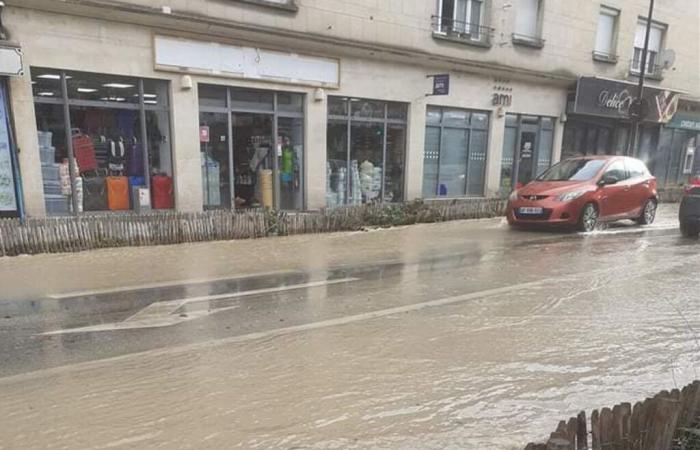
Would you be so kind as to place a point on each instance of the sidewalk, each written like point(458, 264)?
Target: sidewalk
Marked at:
point(29, 277)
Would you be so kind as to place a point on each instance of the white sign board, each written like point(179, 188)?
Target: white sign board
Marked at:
point(10, 61)
point(213, 58)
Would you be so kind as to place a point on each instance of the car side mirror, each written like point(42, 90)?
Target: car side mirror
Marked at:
point(608, 180)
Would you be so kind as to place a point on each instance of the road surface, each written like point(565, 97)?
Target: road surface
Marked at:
point(462, 335)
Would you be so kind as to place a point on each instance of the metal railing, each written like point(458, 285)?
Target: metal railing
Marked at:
point(460, 30)
point(653, 71)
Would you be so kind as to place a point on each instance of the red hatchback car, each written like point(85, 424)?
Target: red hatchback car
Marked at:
point(581, 192)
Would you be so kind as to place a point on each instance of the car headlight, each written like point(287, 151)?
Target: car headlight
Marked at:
point(513, 196)
point(569, 196)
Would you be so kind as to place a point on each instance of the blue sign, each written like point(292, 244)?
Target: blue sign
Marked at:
point(441, 84)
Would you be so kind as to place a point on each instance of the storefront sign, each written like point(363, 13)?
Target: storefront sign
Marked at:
point(204, 134)
point(10, 61)
point(441, 84)
point(610, 98)
point(686, 121)
point(8, 200)
point(213, 58)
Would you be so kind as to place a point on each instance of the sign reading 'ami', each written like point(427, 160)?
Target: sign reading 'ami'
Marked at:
point(212, 58)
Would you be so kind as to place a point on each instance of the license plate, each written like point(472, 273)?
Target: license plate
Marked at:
point(530, 210)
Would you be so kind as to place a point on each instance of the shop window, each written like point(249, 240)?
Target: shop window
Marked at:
point(244, 163)
point(113, 158)
point(454, 162)
point(366, 151)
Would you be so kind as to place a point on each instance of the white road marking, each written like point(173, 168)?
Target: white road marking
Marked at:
point(164, 284)
point(163, 314)
point(283, 331)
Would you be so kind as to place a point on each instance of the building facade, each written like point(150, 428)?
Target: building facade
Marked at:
point(303, 104)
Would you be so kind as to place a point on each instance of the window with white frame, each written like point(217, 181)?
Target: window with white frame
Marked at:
point(462, 17)
point(527, 18)
point(656, 37)
point(605, 36)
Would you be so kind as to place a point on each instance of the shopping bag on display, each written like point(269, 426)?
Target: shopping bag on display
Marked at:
point(117, 193)
point(94, 194)
point(162, 192)
point(84, 151)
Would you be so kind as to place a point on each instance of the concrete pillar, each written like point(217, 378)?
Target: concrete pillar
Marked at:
point(22, 105)
point(497, 129)
point(558, 140)
point(414, 149)
point(187, 169)
point(315, 153)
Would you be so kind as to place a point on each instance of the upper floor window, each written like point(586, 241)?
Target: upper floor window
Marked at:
point(605, 36)
point(462, 19)
point(656, 38)
point(527, 23)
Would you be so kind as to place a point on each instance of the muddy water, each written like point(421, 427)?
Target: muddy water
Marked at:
point(486, 352)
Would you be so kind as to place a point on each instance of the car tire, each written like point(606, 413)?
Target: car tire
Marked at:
point(648, 213)
point(588, 219)
point(690, 230)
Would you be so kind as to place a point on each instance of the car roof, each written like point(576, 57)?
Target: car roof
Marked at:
point(600, 157)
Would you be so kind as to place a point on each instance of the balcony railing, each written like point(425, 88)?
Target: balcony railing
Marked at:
point(653, 71)
point(456, 30)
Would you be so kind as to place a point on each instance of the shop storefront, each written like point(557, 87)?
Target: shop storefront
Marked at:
point(366, 151)
point(599, 122)
point(456, 144)
point(679, 141)
point(252, 148)
point(117, 129)
point(10, 190)
point(527, 149)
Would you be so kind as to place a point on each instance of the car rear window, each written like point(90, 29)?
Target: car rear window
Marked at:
point(573, 170)
point(636, 168)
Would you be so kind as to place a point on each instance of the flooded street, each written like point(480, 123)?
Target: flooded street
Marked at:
point(463, 335)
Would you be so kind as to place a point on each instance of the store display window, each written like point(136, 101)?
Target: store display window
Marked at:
point(118, 131)
point(454, 159)
point(366, 151)
point(252, 148)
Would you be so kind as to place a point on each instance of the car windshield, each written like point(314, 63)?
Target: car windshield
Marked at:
point(573, 170)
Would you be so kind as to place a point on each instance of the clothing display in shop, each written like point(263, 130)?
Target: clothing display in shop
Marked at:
point(134, 159)
point(355, 184)
point(211, 172)
point(287, 165)
point(117, 154)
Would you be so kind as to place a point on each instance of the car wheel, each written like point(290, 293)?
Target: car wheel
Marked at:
point(589, 218)
point(648, 213)
point(690, 230)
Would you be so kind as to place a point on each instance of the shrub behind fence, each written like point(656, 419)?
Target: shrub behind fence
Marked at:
point(70, 234)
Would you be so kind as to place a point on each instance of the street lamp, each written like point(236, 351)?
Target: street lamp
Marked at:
point(640, 108)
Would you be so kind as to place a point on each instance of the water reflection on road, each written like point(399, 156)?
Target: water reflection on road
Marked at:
point(446, 342)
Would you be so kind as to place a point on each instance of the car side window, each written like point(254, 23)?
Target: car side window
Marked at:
point(617, 170)
point(636, 168)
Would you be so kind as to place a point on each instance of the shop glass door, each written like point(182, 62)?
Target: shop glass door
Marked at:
point(253, 165)
point(214, 146)
point(526, 156)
